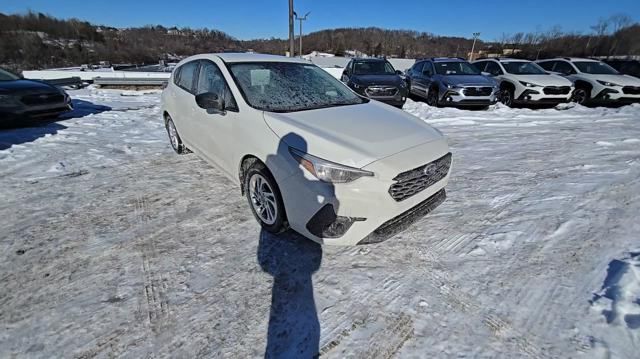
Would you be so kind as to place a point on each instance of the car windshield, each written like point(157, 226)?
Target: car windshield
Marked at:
point(595, 68)
point(373, 68)
point(455, 68)
point(7, 76)
point(523, 68)
point(289, 86)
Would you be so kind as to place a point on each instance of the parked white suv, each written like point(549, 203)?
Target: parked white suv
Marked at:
point(307, 151)
point(595, 81)
point(524, 82)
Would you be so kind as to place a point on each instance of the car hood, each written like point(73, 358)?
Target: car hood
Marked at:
point(622, 80)
point(353, 135)
point(466, 80)
point(545, 80)
point(370, 80)
point(19, 87)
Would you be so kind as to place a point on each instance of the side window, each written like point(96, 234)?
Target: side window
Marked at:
point(210, 79)
point(479, 65)
point(417, 68)
point(547, 65)
point(564, 68)
point(493, 68)
point(176, 76)
point(187, 74)
point(428, 69)
point(350, 68)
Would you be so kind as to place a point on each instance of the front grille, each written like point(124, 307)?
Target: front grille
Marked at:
point(631, 90)
point(557, 90)
point(42, 99)
point(478, 91)
point(381, 91)
point(399, 223)
point(418, 179)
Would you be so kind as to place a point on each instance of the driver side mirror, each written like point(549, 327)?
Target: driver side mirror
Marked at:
point(484, 73)
point(210, 101)
point(398, 72)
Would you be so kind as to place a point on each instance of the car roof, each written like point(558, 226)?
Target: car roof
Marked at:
point(251, 57)
point(447, 59)
point(570, 59)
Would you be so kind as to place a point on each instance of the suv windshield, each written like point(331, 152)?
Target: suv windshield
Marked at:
point(373, 68)
point(290, 86)
point(595, 68)
point(7, 76)
point(523, 68)
point(455, 68)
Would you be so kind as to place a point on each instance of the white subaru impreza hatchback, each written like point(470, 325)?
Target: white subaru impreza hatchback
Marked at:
point(307, 151)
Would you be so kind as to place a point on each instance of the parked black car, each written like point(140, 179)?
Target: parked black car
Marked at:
point(30, 99)
point(377, 79)
point(627, 67)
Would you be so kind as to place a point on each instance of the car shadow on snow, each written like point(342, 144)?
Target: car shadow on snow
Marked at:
point(21, 131)
point(294, 327)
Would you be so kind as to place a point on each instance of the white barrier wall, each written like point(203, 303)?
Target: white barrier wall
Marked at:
point(90, 75)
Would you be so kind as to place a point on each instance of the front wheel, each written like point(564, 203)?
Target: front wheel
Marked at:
point(506, 97)
point(264, 199)
point(432, 97)
point(580, 96)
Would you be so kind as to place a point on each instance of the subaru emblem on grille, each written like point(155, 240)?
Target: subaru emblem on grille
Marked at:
point(430, 169)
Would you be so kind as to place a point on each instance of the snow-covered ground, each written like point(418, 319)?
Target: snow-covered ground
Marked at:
point(113, 246)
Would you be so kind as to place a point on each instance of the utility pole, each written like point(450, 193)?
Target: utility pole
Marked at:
point(473, 47)
point(301, 19)
point(291, 31)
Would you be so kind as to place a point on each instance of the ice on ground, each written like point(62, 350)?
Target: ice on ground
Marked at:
point(113, 246)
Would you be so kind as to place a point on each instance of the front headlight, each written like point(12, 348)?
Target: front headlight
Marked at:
point(356, 86)
point(327, 171)
point(607, 83)
point(528, 84)
point(9, 101)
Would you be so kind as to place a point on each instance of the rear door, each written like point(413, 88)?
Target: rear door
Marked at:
point(185, 103)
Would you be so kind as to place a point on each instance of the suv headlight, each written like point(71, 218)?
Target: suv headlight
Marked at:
point(9, 101)
point(356, 86)
point(327, 171)
point(450, 86)
point(528, 84)
point(607, 83)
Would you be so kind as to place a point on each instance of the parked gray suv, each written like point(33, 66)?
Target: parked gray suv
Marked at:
point(449, 81)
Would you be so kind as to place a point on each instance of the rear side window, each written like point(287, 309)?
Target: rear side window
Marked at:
point(493, 68)
point(564, 68)
point(480, 65)
point(547, 65)
point(186, 75)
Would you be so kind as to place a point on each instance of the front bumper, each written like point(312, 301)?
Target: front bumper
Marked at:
point(457, 97)
point(540, 95)
point(609, 95)
point(394, 96)
point(365, 201)
point(36, 112)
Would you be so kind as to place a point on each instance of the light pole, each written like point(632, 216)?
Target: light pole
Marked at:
point(301, 19)
point(473, 47)
point(291, 32)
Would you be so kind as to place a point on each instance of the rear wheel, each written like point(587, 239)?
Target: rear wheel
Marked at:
point(174, 137)
point(432, 97)
point(264, 199)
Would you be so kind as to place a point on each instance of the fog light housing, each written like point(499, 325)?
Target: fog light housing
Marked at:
point(326, 224)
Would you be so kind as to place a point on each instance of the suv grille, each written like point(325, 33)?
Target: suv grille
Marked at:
point(478, 91)
point(418, 179)
point(42, 99)
point(556, 90)
point(631, 90)
point(381, 91)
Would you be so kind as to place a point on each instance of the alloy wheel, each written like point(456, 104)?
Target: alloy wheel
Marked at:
point(432, 98)
point(173, 135)
point(506, 98)
point(580, 96)
point(263, 199)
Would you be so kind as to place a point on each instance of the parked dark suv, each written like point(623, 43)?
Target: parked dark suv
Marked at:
point(377, 79)
point(29, 99)
point(449, 81)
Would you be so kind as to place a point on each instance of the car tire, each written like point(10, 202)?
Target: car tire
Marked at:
point(264, 199)
point(432, 97)
point(174, 137)
point(506, 97)
point(581, 95)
